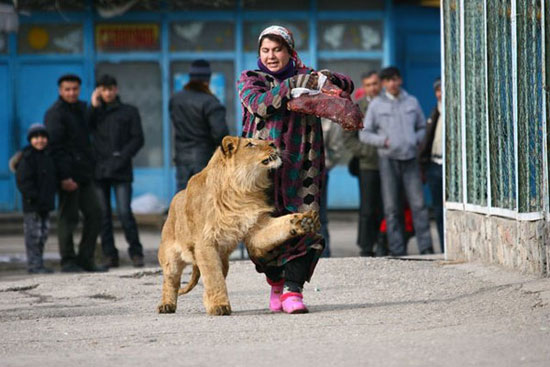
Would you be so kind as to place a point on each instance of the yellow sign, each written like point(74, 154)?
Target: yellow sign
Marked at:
point(38, 38)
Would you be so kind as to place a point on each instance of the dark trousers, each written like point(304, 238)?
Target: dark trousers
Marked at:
point(123, 196)
point(185, 171)
point(370, 210)
point(435, 181)
point(296, 272)
point(83, 200)
point(323, 217)
point(36, 227)
point(394, 172)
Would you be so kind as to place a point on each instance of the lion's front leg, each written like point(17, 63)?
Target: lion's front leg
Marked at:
point(172, 267)
point(211, 266)
point(272, 232)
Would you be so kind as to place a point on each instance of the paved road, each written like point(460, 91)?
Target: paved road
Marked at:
point(364, 312)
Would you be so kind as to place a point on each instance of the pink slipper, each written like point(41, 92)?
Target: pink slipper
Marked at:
point(275, 295)
point(292, 303)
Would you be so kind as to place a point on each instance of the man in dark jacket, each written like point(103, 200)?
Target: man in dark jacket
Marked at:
point(37, 181)
point(370, 208)
point(199, 123)
point(72, 152)
point(117, 136)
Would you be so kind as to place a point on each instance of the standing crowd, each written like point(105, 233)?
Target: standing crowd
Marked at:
point(81, 153)
point(84, 154)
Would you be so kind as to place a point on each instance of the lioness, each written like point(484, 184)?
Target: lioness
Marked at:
point(224, 204)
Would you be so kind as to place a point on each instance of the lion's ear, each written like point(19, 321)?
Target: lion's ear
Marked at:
point(229, 145)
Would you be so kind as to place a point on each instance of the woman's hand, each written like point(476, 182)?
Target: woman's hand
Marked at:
point(328, 88)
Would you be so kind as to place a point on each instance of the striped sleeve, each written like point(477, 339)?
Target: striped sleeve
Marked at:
point(257, 97)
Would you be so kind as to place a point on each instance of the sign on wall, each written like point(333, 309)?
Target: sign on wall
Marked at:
point(127, 37)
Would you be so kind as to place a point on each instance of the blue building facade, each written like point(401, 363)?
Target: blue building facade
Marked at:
point(150, 46)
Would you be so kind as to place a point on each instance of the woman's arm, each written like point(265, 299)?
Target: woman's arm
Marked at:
point(257, 97)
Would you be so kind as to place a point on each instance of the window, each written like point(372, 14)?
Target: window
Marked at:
point(453, 136)
point(530, 138)
point(145, 93)
point(352, 68)
point(500, 105)
point(202, 36)
point(50, 38)
point(476, 124)
point(345, 35)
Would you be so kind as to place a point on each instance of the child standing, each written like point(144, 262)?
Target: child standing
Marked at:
point(36, 179)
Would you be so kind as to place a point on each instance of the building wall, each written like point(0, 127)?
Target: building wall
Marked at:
point(521, 245)
point(351, 37)
point(496, 114)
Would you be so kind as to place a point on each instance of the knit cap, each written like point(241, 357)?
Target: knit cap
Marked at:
point(37, 129)
point(200, 70)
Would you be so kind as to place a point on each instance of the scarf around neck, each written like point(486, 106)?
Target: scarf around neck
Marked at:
point(288, 71)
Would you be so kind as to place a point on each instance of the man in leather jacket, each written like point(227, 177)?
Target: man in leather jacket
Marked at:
point(117, 137)
point(199, 123)
point(66, 122)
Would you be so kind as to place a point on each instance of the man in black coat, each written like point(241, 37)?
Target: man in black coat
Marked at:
point(70, 147)
point(117, 136)
point(199, 123)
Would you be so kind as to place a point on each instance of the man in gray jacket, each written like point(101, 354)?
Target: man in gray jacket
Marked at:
point(199, 123)
point(395, 124)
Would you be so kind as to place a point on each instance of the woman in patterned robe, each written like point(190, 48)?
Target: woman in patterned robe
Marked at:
point(297, 187)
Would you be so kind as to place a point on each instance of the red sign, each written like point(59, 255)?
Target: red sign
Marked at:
point(124, 37)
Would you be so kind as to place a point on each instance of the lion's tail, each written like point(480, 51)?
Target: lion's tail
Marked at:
point(192, 282)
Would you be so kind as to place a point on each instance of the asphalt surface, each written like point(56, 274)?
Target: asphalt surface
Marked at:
point(421, 311)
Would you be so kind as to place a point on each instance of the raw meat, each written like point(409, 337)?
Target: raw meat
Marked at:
point(332, 103)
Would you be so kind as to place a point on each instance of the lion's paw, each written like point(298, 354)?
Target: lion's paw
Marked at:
point(166, 308)
point(219, 310)
point(304, 223)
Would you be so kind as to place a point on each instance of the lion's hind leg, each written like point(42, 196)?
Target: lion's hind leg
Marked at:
point(172, 267)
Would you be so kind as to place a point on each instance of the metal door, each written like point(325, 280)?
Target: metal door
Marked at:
point(7, 182)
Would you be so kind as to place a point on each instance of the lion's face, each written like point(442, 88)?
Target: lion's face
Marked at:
point(251, 153)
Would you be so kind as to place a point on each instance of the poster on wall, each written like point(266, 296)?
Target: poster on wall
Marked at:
point(217, 84)
point(121, 37)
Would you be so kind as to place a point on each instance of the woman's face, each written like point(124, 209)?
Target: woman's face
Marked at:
point(273, 55)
